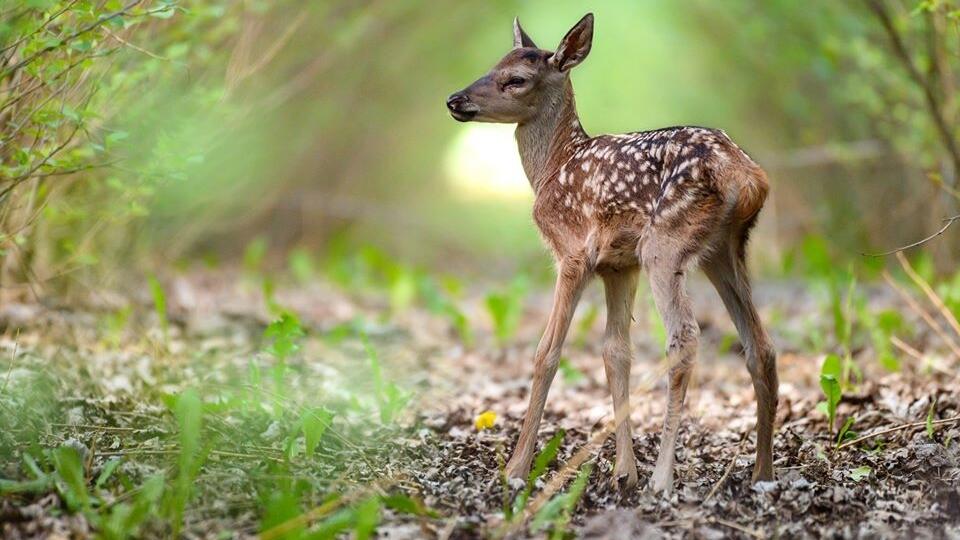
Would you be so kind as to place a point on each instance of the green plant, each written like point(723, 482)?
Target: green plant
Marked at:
point(439, 299)
point(571, 375)
point(253, 256)
point(540, 464)
point(125, 519)
point(188, 410)
point(390, 398)
point(71, 482)
point(859, 473)
point(842, 307)
point(556, 513)
point(301, 265)
point(586, 323)
point(882, 326)
point(505, 309)
point(830, 373)
point(314, 424)
point(284, 335)
point(159, 303)
point(845, 432)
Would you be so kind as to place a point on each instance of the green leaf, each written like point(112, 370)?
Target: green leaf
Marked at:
point(546, 456)
point(367, 517)
point(314, 424)
point(845, 433)
point(570, 373)
point(254, 255)
point(859, 473)
point(285, 334)
point(830, 373)
point(108, 470)
point(159, 302)
point(71, 482)
point(557, 511)
point(540, 464)
point(405, 504)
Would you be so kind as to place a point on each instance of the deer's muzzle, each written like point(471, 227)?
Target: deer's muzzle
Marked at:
point(461, 108)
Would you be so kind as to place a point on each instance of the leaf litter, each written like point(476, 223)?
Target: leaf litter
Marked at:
point(403, 420)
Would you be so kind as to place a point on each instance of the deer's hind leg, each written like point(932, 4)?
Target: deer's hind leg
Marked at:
point(727, 270)
point(620, 288)
point(667, 251)
point(667, 271)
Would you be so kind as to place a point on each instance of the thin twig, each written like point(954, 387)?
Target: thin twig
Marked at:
point(13, 360)
point(912, 303)
point(869, 436)
point(733, 525)
point(949, 222)
point(928, 290)
point(903, 346)
point(92, 427)
point(132, 46)
point(726, 473)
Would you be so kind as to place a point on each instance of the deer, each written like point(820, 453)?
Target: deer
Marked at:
point(662, 201)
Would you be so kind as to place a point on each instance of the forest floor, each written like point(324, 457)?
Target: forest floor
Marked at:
point(103, 379)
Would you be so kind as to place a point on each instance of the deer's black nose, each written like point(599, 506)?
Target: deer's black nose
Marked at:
point(461, 108)
point(456, 101)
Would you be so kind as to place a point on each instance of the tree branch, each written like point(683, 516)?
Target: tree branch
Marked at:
point(949, 222)
point(879, 9)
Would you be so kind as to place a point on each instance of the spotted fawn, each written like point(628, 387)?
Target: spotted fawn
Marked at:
point(666, 200)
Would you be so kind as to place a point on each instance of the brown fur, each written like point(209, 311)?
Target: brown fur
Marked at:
point(663, 200)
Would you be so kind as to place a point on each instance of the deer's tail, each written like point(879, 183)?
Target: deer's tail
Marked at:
point(746, 187)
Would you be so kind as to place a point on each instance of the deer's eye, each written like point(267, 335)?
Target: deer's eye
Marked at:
point(514, 82)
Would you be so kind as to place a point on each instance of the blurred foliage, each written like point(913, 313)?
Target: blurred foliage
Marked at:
point(146, 131)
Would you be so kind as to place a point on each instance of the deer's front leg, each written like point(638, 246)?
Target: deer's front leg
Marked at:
point(571, 280)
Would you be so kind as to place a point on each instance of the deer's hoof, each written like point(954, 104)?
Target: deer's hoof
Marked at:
point(762, 474)
point(516, 472)
point(624, 478)
point(661, 482)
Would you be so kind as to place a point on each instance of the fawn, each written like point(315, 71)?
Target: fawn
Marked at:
point(665, 200)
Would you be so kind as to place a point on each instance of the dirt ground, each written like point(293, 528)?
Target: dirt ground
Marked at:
point(904, 482)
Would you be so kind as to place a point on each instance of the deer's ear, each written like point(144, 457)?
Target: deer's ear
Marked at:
point(520, 38)
point(575, 46)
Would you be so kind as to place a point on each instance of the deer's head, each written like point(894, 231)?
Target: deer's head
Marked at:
point(526, 81)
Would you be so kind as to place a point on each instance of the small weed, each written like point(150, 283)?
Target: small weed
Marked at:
point(314, 424)
point(159, 303)
point(830, 373)
point(859, 473)
point(557, 512)
point(845, 432)
point(505, 309)
point(540, 464)
point(390, 398)
point(301, 265)
point(188, 410)
point(254, 255)
point(571, 375)
point(586, 324)
point(70, 479)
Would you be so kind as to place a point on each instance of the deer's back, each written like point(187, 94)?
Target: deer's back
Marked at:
point(630, 180)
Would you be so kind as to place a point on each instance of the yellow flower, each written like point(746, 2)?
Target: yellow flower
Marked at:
point(485, 420)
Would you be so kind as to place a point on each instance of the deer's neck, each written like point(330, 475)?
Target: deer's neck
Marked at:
point(547, 140)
